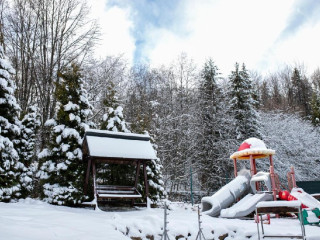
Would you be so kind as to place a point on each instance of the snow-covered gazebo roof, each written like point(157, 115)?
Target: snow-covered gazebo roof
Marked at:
point(118, 146)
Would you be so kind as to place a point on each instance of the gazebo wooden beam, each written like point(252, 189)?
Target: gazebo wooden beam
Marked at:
point(129, 161)
point(146, 180)
point(87, 176)
point(137, 174)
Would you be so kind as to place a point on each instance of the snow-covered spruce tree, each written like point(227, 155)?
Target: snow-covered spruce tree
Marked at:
point(155, 178)
point(10, 167)
point(61, 167)
point(154, 172)
point(25, 146)
point(212, 130)
point(242, 104)
point(113, 120)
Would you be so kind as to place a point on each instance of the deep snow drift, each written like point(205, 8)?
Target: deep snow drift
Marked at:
point(35, 220)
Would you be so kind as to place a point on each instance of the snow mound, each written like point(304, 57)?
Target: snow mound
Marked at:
point(253, 143)
point(252, 146)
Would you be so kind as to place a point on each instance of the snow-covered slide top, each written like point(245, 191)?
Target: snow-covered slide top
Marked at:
point(252, 146)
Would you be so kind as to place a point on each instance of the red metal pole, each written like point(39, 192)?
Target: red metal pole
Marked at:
point(235, 167)
point(271, 161)
point(255, 172)
point(251, 166)
point(273, 183)
point(254, 166)
point(293, 177)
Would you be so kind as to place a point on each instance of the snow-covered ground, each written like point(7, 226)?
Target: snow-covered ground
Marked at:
point(35, 220)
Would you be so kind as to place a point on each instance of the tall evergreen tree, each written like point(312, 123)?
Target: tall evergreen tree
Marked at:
point(62, 169)
point(25, 145)
point(315, 108)
point(10, 167)
point(213, 131)
point(242, 103)
point(301, 91)
point(142, 108)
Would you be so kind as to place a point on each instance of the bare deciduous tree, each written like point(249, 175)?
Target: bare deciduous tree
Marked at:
point(43, 37)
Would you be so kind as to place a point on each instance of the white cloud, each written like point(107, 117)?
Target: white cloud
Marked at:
point(228, 31)
point(115, 28)
point(303, 47)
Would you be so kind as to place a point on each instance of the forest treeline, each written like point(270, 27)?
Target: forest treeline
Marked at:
point(195, 117)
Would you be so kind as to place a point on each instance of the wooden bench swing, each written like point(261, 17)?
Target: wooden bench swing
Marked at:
point(100, 146)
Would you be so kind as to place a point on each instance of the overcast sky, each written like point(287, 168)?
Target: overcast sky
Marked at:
point(264, 34)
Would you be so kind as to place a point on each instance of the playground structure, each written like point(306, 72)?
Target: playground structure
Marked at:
point(240, 197)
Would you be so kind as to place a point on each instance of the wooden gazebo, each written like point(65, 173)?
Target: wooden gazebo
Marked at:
point(100, 146)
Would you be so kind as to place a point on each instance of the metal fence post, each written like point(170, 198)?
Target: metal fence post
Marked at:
point(200, 235)
point(165, 231)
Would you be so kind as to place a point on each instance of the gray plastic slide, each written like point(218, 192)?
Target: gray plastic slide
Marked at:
point(246, 205)
point(227, 195)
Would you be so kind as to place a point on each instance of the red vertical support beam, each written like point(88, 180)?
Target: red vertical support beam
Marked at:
point(273, 183)
point(293, 177)
point(251, 166)
point(273, 180)
point(254, 166)
point(235, 167)
point(271, 161)
point(145, 179)
point(255, 172)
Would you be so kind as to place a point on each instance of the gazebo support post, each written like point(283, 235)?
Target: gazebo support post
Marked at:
point(94, 182)
point(85, 189)
point(146, 180)
point(137, 178)
point(137, 174)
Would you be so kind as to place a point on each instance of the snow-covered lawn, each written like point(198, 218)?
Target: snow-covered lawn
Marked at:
point(35, 220)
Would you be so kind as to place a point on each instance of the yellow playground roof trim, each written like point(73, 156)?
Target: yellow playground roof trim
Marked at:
point(256, 153)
